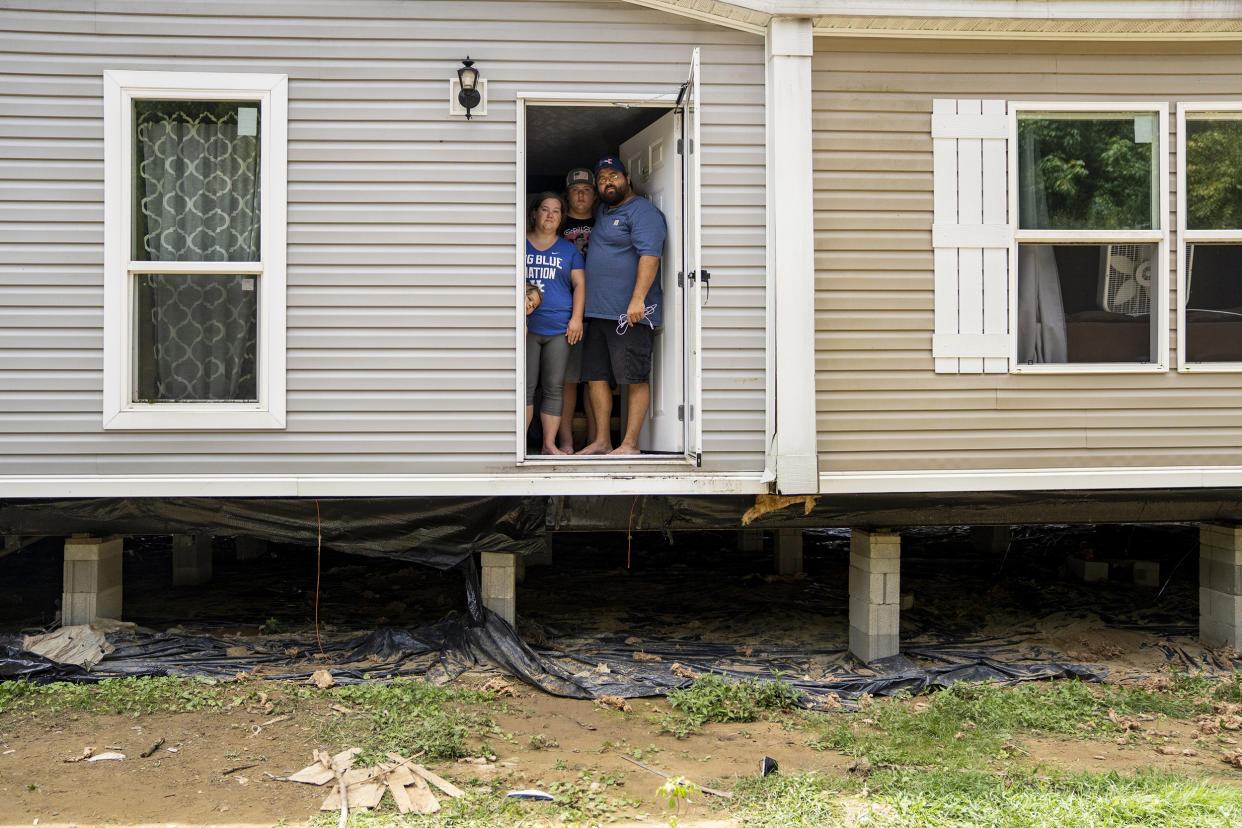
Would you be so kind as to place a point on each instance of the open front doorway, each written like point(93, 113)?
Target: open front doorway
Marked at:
point(656, 139)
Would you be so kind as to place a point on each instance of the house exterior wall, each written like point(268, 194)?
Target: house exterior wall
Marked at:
point(401, 224)
point(881, 408)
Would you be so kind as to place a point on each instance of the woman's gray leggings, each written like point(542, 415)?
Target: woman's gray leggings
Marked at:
point(546, 358)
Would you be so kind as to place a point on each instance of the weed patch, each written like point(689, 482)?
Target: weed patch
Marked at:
point(800, 801)
point(713, 698)
point(972, 724)
point(133, 696)
point(409, 717)
point(1027, 799)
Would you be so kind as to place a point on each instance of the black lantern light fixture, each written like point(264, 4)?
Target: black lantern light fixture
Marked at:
point(468, 77)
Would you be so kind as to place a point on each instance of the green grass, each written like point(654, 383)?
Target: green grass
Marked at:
point(972, 724)
point(409, 717)
point(1016, 799)
point(713, 698)
point(477, 809)
point(135, 696)
point(1027, 800)
point(800, 801)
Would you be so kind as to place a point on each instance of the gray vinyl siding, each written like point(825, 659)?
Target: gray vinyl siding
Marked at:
point(880, 406)
point(401, 222)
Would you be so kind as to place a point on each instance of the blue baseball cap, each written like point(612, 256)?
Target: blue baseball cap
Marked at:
point(610, 163)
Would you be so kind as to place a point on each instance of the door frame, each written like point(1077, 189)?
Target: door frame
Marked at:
point(597, 100)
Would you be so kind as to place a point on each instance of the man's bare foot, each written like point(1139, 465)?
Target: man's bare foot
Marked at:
point(626, 448)
point(552, 450)
point(596, 448)
point(566, 448)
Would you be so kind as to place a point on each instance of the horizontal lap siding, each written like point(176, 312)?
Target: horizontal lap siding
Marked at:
point(401, 222)
point(880, 406)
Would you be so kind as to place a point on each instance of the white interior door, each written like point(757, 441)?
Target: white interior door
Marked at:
point(655, 173)
point(692, 262)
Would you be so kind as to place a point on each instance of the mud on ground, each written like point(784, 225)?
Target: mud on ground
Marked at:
point(1019, 603)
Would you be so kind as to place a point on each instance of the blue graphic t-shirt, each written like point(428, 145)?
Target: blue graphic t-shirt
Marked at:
point(550, 271)
point(621, 234)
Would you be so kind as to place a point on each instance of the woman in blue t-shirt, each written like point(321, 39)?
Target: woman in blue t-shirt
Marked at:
point(555, 266)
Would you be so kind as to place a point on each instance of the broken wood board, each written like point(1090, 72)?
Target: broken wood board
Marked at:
point(411, 793)
point(362, 795)
point(443, 784)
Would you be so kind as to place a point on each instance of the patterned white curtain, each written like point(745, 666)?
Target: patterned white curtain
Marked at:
point(197, 200)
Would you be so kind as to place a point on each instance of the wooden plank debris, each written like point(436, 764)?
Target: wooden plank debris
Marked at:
point(366, 794)
point(444, 785)
point(365, 787)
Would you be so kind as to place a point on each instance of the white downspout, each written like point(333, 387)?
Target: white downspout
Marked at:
point(791, 253)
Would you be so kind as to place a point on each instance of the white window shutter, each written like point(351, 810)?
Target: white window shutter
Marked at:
point(970, 236)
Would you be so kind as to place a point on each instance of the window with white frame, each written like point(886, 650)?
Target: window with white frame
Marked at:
point(1050, 236)
point(1088, 236)
point(194, 250)
point(1210, 236)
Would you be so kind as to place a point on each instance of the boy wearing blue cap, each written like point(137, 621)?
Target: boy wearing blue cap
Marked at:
point(624, 295)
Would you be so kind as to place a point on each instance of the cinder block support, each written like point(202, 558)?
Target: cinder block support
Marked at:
point(1220, 585)
point(191, 559)
point(750, 540)
point(875, 594)
point(788, 551)
point(92, 579)
point(500, 584)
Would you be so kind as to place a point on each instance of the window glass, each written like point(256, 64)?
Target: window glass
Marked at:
point(1088, 171)
point(1214, 172)
point(1089, 303)
point(196, 338)
point(196, 181)
point(1213, 302)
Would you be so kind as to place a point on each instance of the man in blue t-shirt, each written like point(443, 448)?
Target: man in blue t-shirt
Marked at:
point(625, 298)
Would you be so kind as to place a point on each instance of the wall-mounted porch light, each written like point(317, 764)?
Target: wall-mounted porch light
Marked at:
point(468, 94)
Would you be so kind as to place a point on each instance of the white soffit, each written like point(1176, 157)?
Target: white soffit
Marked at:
point(1031, 28)
point(731, 15)
point(1021, 19)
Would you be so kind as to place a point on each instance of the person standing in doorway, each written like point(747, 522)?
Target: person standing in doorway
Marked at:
point(554, 266)
point(624, 304)
point(580, 196)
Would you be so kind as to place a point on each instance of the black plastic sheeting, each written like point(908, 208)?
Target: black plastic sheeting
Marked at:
point(479, 638)
point(439, 532)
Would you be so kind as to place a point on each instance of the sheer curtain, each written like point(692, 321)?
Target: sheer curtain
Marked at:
point(197, 200)
point(1041, 309)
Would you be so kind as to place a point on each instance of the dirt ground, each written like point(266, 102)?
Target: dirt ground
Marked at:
point(721, 605)
point(213, 769)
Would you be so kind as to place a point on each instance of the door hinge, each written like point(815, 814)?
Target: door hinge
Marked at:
point(681, 146)
point(681, 413)
point(680, 279)
point(698, 459)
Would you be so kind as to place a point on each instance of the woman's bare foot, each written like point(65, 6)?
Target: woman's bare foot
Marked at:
point(552, 450)
point(626, 448)
point(566, 448)
point(596, 448)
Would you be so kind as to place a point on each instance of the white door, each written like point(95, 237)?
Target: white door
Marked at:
point(663, 162)
point(655, 173)
point(692, 262)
